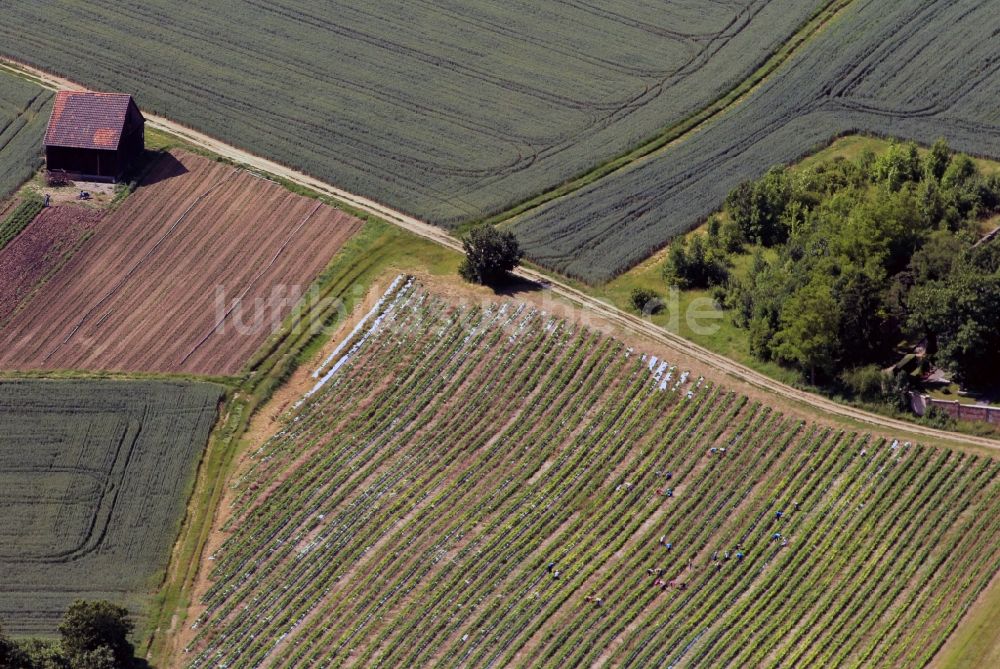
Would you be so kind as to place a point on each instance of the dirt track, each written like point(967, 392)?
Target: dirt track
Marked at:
point(612, 313)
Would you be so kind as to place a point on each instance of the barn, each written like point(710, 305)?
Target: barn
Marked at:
point(94, 136)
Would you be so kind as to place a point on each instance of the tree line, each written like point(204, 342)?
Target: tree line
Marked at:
point(92, 635)
point(852, 257)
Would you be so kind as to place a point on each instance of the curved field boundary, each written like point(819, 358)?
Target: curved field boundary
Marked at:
point(626, 320)
point(683, 129)
point(93, 482)
point(454, 111)
point(881, 68)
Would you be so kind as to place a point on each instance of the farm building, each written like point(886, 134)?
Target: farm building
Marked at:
point(94, 136)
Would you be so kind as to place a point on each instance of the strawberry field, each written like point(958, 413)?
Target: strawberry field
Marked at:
point(490, 486)
point(94, 477)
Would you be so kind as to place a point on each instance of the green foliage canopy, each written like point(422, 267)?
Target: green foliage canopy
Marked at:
point(867, 253)
point(95, 632)
point(490, 255)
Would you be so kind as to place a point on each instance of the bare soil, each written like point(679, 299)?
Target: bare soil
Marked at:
point(7, 206)
point(191, 274)
point(40, 249)
point(101, 194)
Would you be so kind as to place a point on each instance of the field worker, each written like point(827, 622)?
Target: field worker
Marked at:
point(550, 567)
point(777, 515)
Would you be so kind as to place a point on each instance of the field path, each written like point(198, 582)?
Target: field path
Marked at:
point(898, 428)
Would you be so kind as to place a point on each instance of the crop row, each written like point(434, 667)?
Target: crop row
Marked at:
point(489, 486)
point(24, 111)
point(93, 482)
point(449, 112)
point(877, 68)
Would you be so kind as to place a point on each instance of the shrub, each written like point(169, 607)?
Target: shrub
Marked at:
point(694, 264)
point(938, 418)
point(646, 301)
point(868, 383)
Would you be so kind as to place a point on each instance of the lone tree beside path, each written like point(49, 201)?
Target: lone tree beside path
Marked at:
point(490, 255)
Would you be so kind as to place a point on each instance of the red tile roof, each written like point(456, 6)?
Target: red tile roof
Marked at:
point(87, 120)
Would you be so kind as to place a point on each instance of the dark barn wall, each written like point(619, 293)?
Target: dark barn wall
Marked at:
point(131, 146)
point(83, 162)
point(133, 140)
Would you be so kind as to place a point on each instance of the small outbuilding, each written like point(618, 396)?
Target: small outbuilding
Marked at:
point(94, 136)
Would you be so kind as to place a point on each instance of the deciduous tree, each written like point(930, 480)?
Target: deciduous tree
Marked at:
point(89, 627)
point(490, 255)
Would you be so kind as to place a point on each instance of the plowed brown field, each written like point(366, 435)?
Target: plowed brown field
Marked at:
point(38, 251)
point(191, 274)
